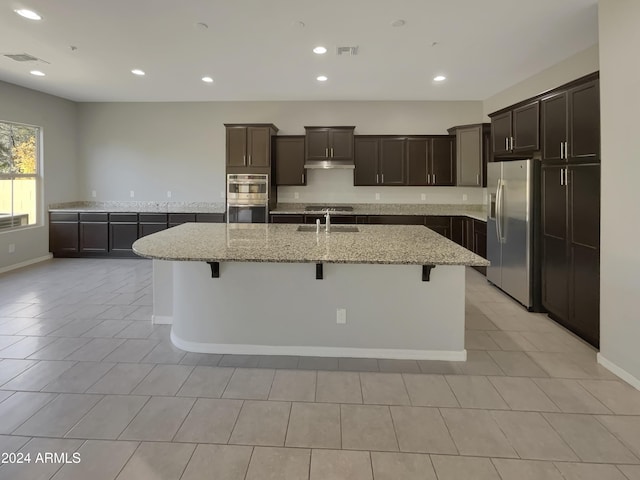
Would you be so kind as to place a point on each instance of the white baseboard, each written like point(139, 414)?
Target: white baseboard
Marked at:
point(161, 320)
point(619, 371)
point(26, 263)
point(399, 354)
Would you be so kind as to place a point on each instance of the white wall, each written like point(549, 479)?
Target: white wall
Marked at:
point(57, 118)
point(151, 148)
point(620, 229)
point(573, 67)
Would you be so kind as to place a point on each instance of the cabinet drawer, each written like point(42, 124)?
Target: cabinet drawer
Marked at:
point(210, 217)
point(123, 217)
point(287, 218)
point(153, 217)
point(396, 219)
point(63, 216)
point(436, 220)
point(178, 218)
point(94, 217)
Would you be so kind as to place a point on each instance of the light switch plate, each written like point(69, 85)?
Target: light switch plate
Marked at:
point(132, 193)
point(341, 316)
point(423, 196)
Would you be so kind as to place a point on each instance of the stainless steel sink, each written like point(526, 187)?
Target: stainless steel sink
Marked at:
point(333, 229)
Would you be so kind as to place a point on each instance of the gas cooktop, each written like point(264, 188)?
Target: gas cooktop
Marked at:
point(328, 208)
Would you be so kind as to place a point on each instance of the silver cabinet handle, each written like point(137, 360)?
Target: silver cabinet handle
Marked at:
point(506, 143)
point(566, 150)
point(303, 178)
point(244, 159)
point(382, 178)
point(434, 178)
point(477, 179)
point(331, 152)
point(511, 143)
point(562, 177)
point(249, 159)
point(428, 179)
point(561, 149)
point(326, 152)
point(377, 178)
point(566, 175)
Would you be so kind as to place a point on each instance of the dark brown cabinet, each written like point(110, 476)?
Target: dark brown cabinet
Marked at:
point(329, 143)
point(440, 224)
point(516, 131)
point(249, 145)
point(94, 233)
point(123, 231)
point(571, 247)
point(151, 223)
point(63, 234)
point(380, 161)
point(287, 218)
point(289, 157)
point(472, 235)
point(570, 124)
point(442, 167)
point(176, 219)
point(472, 154)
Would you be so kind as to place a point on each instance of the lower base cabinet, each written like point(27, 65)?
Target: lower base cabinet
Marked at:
point(472, 235)
point(111, 234)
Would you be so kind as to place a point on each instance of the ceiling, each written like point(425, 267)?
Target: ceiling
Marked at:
point(262, 50)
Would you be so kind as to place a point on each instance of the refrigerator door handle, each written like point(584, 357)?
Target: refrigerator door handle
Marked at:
point(499, 211)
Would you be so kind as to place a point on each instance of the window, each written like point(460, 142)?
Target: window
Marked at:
point(19, 174)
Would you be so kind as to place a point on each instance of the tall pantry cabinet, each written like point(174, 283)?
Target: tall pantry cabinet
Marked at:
point(570, 214)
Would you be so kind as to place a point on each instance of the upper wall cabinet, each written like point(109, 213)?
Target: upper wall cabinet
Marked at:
point(290, 160)
point(329, 143)
point(249, 146)
point(516, 131)
point(570, 123)
point(380, 161)
point(431, 161)
point(472, 154)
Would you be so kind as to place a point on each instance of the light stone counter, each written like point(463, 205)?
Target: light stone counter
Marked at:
point(139, 207)
point(281, 243)
point(478, 212)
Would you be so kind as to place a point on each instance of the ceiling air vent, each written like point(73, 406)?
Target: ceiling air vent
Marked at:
point(23, 57)
point(352, 51)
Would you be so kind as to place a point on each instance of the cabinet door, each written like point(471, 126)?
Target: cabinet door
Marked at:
point(443, 160)
point(439, 224)
point(149, 228)
point(317, 143)
point(553, 124)
point(458, 225)
point(290, 161)
point(366, 161)
point(479, 238)
point(236, 146)
point(94, 237)
point(63, 238)
point(121, 237)
point(417, 160)
point(501, 133)
point(392, 161)
point(469, 156)
point(287, 219)
point(555, 287)
point(526, 131)
point(584, 122)
point(341, 144)
point(584, 251)
point(259, 146)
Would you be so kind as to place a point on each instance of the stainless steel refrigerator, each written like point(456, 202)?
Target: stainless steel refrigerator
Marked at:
point(512, 190)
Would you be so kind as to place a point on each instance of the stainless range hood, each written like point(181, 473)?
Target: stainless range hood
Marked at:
point(327, 164)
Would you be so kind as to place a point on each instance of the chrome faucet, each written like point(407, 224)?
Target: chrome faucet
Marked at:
point(327, 222)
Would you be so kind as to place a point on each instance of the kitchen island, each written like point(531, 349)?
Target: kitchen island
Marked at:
point(382, 291)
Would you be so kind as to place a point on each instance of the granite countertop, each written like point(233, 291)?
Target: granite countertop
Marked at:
point(139, 207)
point(282, 243)
point(478, 212)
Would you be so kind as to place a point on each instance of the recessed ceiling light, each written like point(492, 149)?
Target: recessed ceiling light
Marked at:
point(30, 14)
point(439, 78)
point(320, 50)
point(207, 79)
point(322, 78)
point(37, 73)
point(398, 23)
point(137, 71)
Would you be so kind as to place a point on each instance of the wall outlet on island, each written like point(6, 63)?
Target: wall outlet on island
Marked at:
point(93, 193)
point(341, 316)
point(423, 196)
point(12, 248)
point(168, 193)
point(296, 195)
point(132, 193)
point(377, 196)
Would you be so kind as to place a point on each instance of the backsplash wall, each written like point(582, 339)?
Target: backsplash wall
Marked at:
point(336, 186)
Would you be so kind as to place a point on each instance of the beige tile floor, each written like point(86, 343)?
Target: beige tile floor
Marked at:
point(83, 371)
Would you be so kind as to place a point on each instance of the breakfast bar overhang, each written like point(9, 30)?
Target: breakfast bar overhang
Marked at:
point(381, 291)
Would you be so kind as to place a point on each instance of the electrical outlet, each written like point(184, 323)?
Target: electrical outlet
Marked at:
point(423, 196)
point(464, 197)
point(341, 316)
point(168, 193)
point(12, 248)
point(132, 193)
point(296, 195)
point(377, 196)
point(93, 193)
